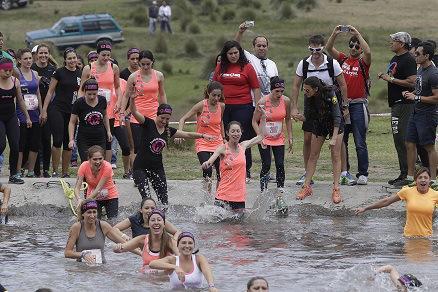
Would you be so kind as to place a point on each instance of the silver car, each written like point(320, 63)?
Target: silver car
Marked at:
point(73, 31)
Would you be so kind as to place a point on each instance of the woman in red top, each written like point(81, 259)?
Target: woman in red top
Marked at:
point(99, 176)
point(240, 85)
point(277, 107)
point(155, 245)
point(231, 191)
point(208, 121)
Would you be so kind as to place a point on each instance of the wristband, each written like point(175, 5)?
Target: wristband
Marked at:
point(391, 79)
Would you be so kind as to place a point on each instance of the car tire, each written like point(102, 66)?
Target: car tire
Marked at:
point(6, 4)
point(22, 4)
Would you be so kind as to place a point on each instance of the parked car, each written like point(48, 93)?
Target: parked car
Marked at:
point(73, 31)
point(7, 4)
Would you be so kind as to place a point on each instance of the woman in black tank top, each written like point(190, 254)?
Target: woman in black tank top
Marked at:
point(9, 91)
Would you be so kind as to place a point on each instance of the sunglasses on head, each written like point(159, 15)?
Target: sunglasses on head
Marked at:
point(316, 49)
point(356, 46)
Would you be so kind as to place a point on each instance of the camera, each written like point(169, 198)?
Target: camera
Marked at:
point(344, 28)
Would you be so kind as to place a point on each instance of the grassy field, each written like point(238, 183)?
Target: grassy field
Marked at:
point(288, 44)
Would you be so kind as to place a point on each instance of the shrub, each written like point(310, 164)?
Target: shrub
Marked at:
point(248, 14)
point(161, 44)
point(191, 48)
point(228, 15)
point(208, 7)
point(185, 21)
point(139, 17)
point(286, 11)
point(181, 9)
point(220, 42)
point(167, 67)
point(244, 3)
point(257, 4)
point(213, 17)
point(306, 5)
point(208, 67)
point(194, 28)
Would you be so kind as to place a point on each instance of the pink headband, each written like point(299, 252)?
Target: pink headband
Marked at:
point(89, 205)
point(104, 47)
point(7, 66)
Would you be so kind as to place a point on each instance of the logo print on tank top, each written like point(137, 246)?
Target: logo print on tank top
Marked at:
point(157, 145)
point(93, 118)
point(205, 119)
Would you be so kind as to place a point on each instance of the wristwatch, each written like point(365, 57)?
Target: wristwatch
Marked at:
point(417, 98)
point(391, 79)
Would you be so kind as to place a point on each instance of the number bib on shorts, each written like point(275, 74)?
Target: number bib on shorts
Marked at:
point(31, 101)
point(274, 129)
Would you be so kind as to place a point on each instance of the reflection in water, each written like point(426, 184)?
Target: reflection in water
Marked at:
point(313, 249)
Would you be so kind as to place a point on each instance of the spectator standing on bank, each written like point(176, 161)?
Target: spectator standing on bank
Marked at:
point(355, 66)
point(164, 14)
point(422, 123)
point(153, 16)
point(400, 76)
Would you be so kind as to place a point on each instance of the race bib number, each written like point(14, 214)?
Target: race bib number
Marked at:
point(103, 195)
point(105, 93)
point(31, 101)
point(274, 129)
point(96, 254)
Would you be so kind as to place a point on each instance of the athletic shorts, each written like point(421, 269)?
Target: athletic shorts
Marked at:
point(421, 128)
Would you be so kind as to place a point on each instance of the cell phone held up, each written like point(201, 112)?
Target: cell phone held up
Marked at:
point(249, 23)
point(344, 28)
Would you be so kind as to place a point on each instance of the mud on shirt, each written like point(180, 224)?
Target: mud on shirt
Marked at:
point(151, 146)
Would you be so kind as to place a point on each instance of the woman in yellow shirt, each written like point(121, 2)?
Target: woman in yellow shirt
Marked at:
point(421, 201)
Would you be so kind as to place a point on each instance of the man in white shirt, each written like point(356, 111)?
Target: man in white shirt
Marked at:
point(326, 69)
point(264, 67)
point(164, 14)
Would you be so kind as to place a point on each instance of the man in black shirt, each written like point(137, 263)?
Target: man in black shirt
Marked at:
point(400, 76)
point(423, 121)
point(153, 15)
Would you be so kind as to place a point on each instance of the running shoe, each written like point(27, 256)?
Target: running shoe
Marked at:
point(65, 175)
point(362, 180)
point(15, 179)
point(46, 174)
point(55, 174)
point(397, 179)
point(30, 174)
point(347, 180)
point(74, 163)
point(301, 180)
point(336, 195)
point(113, 166)
point(127, 176)
point(304, 192)
point(402, 183)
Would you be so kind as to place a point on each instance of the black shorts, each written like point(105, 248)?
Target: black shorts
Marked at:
point(421, 128)
point(111, 208)
point(307, 126)
point(229, 205)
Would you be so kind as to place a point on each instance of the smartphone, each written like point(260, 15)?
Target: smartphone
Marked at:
point(249, 23)
point(344, 28)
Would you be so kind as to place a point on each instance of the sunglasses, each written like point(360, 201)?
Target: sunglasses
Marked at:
point(316, 49)
point(351, 45)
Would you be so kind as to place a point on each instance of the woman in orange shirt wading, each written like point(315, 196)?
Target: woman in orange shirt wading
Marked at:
point(208, 121)
point(421, 201)
point(231, 191)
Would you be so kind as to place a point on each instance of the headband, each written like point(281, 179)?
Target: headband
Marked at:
point(409, 281)
point(89, 205)
point(277, 84)
point(91, 86)
point(185, 234)
point(91, 55)
point(103, 47)
point(6, 66)
point(164, 109)
point(159, 212)
point(132, 51)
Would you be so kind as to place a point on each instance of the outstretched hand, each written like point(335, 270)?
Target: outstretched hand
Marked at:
point(359, 211)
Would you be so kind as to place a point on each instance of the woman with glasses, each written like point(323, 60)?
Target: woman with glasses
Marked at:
point(208, 121)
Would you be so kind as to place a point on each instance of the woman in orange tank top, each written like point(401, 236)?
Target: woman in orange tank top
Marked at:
point(155, 245)
point(107, 75)
point(277, 108)
point(147, 85)
point(231, 192)
point(208, 121)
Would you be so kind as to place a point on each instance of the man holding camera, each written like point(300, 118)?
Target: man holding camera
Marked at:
point(400, 76)
point(422, 123)
point(356, 68)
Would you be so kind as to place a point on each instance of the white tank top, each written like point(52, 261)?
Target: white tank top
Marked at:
point(192, 280)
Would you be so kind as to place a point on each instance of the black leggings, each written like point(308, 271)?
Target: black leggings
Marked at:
point(265, 155)
point(59, 126)
point(204, 156)
point(136, 135)
point(121, 136)
point(83, 144)
point(9, 128)
point(111, 208)
point(45, 149)
point(30, 138)
point(158, 180)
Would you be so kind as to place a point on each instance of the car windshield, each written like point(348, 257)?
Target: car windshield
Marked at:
point(58, 26)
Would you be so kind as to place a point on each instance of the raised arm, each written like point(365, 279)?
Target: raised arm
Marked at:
point(379, 204)
point(330, 46)
point(239, 33)
point(363, 44)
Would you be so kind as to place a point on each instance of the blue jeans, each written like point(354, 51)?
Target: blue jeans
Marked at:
point(359, 117)
point(152, 25)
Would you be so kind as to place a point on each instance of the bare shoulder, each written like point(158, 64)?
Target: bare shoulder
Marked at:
point(160, 75)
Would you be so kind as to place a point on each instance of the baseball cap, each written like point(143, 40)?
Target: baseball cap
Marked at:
point(401, 36)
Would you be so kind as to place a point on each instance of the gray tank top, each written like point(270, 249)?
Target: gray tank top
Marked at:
point(97, 242)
